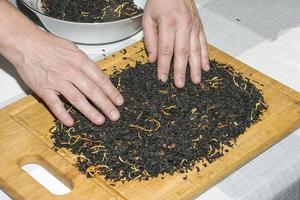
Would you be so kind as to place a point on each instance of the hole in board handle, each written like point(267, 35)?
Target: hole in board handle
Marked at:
point(46, 179)
point(4, 196)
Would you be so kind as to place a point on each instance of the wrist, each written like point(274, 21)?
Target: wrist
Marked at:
point(16, 31)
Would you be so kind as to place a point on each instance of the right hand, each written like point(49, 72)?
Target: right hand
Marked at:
point(173, 29)
point(52, 66)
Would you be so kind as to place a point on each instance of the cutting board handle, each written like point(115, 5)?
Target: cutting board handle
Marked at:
point(20, 146)
point(21, 185)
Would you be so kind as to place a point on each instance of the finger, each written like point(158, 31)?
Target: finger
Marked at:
point(93, 92)
point(93, 72)
point(166, 37)
point(181, 55)
point(150, 37)
point(78, 100)
point(195, 56)
point(57, 108)
point(204, 50)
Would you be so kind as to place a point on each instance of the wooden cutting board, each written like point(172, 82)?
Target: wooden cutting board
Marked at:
point(24, 139)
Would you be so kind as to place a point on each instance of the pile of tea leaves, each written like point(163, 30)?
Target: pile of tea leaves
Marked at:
point(90, 11)
point(163, 129)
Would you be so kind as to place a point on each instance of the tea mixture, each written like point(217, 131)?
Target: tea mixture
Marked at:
point(90, 11)
point(163, 129)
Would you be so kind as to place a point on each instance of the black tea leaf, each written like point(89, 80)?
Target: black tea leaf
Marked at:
point(164, 129)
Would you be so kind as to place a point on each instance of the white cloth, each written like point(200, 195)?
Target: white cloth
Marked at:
point(266, 36)
point(263, 34)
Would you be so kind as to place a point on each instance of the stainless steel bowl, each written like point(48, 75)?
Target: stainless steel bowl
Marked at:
point(89, 33)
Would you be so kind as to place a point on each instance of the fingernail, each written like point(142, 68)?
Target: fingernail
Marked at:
point(164, 78)
point(207, 67)
point(119, 100)
point(115, 115)
point(197, 79)
point(180, 83)
point(69, 122)
point(100, 119)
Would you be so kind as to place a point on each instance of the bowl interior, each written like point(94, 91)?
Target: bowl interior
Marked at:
point(37, 4)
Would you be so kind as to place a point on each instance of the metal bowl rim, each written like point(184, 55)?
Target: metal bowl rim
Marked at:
point(81, 23)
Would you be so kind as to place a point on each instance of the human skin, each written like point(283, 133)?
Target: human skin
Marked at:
point(54, 67)
point(173, 28)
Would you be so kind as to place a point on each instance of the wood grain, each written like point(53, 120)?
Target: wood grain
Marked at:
point(24, 138)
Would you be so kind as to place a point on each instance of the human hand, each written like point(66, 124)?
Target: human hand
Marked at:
point(174, 27)
point(52, 66)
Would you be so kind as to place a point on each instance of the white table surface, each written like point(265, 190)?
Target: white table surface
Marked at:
point(262, 34)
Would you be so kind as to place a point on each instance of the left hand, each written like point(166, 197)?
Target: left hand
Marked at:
point(173, 27)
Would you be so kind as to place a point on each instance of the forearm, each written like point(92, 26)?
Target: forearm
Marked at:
point(15, 30)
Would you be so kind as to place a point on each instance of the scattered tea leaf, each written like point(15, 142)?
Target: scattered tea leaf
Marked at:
point(163, 129)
